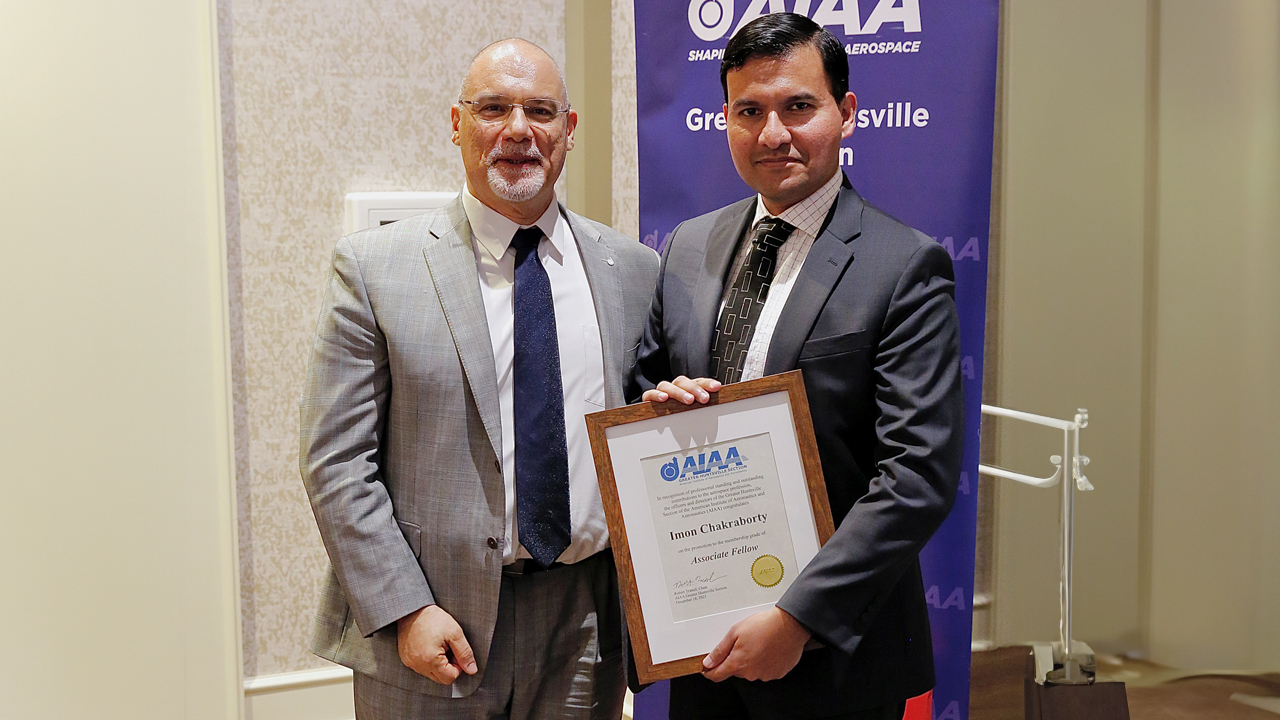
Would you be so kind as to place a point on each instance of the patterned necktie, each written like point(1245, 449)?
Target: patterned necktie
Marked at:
point(745, 300)
point(542, 461)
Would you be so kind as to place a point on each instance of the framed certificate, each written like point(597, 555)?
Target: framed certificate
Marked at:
point(712, 511)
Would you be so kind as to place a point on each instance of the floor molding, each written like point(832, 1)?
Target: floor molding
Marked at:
point(321, 694)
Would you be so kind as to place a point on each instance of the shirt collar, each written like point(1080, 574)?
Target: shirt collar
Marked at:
point(493, 231)
point(808, 214)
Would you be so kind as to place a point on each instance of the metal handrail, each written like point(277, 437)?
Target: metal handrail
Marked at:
point(1072, 459)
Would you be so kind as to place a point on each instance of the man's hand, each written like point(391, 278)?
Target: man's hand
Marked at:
point(431, 643)
point(683, 389)
point(763, 646)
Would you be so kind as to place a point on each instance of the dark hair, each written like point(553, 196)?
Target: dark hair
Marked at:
point(777, 35)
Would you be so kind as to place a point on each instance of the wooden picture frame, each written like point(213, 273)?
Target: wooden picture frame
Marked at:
point(776, 405)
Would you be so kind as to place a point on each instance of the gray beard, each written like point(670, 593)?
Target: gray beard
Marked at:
point(523, 188)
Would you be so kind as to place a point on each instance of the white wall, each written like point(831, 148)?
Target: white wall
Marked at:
point(116, 535)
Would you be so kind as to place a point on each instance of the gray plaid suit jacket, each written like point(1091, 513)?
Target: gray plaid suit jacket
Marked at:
point(400, 438)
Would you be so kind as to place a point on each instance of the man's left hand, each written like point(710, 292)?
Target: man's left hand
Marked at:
point(683, 389)
point(763, 646)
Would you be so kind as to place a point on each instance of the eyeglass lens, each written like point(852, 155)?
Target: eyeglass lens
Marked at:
point(494, 108)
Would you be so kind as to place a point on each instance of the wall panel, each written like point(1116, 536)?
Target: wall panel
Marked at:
point(321, 100)
point(1216, 512)
point(1070, 308)
point(116, 525)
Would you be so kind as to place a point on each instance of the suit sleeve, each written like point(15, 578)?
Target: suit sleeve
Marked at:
point(343, 416)
point(919, 441)
point(653, 364)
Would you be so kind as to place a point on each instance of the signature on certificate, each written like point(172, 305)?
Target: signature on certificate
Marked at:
point(696, 580)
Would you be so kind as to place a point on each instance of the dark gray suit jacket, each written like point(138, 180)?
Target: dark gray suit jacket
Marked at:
point(400, 436)
point(871, 321)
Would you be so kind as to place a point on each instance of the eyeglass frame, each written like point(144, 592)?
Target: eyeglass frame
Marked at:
point(561, 109)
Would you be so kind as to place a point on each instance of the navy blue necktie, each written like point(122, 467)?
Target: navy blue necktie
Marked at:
point(542, 460)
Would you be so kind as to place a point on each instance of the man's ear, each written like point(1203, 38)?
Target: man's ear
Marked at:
point(848, 114)
point(570, 122)
point(456, 117)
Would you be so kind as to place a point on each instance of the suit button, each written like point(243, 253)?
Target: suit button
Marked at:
point(493, 543)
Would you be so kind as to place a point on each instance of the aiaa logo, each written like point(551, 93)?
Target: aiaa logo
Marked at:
point(701, 464)
point(710, 20)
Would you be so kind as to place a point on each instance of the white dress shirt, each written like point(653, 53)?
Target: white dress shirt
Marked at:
point(581, 362)
point(807, 216)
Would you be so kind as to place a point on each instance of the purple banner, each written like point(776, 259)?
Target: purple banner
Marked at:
point(924, 74)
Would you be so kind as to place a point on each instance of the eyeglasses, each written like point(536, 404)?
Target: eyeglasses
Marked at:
point(497, 108)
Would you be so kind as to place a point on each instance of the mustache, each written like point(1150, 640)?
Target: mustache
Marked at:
point(514, 151)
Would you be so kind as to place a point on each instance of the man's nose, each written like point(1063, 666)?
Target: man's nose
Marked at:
point(774, 134)
point(516, 126)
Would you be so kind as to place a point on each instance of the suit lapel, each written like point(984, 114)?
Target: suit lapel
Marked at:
point(452, 265)
point(830, 254)
point(722, 244)
point(599, 262)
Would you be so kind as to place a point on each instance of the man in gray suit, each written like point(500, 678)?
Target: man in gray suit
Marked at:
point(806, 274)
point(443, 445)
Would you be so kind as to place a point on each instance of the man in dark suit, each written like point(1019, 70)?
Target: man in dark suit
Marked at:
point(808, 275)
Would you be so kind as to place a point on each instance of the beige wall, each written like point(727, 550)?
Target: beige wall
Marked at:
point(1123, 122)
point(1070, 307)
point(1140, 277)
point(116, 524)
point(321, 100)
point(626, 158)
point(1215, 569)
point(588, 169)
point(1088, 231)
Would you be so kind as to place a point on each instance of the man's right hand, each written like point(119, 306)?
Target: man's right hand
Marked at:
point(431, 643)
point(684, 390)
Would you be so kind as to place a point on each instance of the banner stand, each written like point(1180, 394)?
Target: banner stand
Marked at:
point(924, 72)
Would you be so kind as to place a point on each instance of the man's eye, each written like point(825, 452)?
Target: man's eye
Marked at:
point(541, 114)
point(749, 112)
point(801, 107)
point(492, 108)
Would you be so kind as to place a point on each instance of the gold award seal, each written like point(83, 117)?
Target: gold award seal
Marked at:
point(767, 571)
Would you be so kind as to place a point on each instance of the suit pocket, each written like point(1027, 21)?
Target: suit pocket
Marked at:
point(836, 344)
point(629, 358)
point(593, 356)
point(412, 535)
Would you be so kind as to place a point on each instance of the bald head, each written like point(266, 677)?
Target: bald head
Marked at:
point(513, 56)
point(513, 156)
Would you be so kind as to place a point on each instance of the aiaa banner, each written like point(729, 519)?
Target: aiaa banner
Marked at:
point(924, 74)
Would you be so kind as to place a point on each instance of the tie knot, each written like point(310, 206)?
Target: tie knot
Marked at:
point(527, 238)
point(772, 233)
